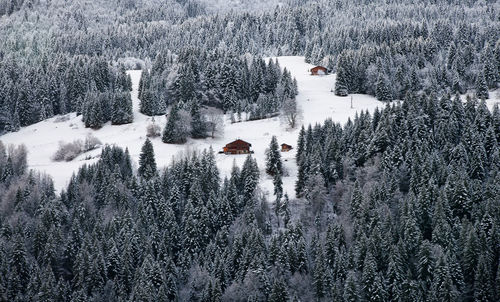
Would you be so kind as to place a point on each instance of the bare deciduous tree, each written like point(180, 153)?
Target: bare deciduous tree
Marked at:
point(290, 113)
point(153, 130)
point(214, 120)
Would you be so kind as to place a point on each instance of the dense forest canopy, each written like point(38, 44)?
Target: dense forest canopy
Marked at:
point(401, 204)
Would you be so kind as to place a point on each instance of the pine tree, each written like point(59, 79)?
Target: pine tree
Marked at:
point(368, 276)
point(93, 115)
point(489, 67)
point(452, 52)
point(442, 288)
point(497, 284)
point(278, 292)
point(147, 162)
point(356, 201)
point(319, 275)
point(424, 264)
point(19, 266)
point(301, 176)
point(481, 87)
point(379, 293)
point(273, 158)
point(278, 192)
point(483, 289)
point(383, 93)
point(300, 144)
point(351, 288)
point(122, 112)
point(175, 131)
point(296, 44)
point(249, 177)
point(198, 123)
point(341, 82)
point(285, 210)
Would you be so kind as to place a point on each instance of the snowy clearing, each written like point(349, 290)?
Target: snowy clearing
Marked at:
point(315, 99)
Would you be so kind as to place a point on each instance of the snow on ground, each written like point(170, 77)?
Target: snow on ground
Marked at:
point(315, 99)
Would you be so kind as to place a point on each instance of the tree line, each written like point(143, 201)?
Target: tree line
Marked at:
point(216, 78)
point(34, 90)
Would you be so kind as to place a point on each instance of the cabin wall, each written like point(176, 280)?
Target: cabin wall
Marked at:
point(319, 71)
point(238, 147)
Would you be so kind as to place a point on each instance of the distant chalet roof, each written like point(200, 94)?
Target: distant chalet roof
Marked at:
point(319, 67)
point(286, 145)
point(239, 142)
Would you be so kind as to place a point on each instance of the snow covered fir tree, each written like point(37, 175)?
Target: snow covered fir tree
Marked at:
point(377, 181)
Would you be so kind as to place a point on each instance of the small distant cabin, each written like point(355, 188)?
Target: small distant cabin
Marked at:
point(285, 148)
point(237, 147)
point(319, 70)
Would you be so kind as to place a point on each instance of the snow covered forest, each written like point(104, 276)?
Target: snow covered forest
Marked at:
point(398, 204)
point(380, 49)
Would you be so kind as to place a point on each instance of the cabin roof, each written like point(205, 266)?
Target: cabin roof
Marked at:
point(239, 142)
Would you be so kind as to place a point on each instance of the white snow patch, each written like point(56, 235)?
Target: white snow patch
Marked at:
point(315, 98)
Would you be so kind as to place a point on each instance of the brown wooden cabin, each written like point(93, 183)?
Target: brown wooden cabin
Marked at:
point(319, 70)
point(286, 148)
point(237, 147)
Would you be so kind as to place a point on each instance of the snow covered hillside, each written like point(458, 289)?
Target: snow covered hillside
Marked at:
point(315, 99)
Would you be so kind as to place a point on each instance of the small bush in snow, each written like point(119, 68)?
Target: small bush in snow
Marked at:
point(91, 143)
point(69, 151)
point(62, 118)
point(153, 130)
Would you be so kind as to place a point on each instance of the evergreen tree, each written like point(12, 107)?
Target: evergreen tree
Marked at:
point(383, 93)
point(176, 130)
point(319, 275)
point(198, 123)
point(122, 109)
point(341, 82)
point(147, 162)
point(278, 292)
point(351, 288)
point(278, 192)
point(481, 87)
point(273, 158)
point(483, 290)
point(93, 115)
point(300, 144)
point(249, 177)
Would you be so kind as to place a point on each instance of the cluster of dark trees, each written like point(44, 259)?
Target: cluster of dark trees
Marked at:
point(13, 162)
point(37, 89)
point(101, 107)
point(216, 78)
point(441, 61)
point(8, 7)
point(413, 194)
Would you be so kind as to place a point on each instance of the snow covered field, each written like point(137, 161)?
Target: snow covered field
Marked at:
point(315, 99)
